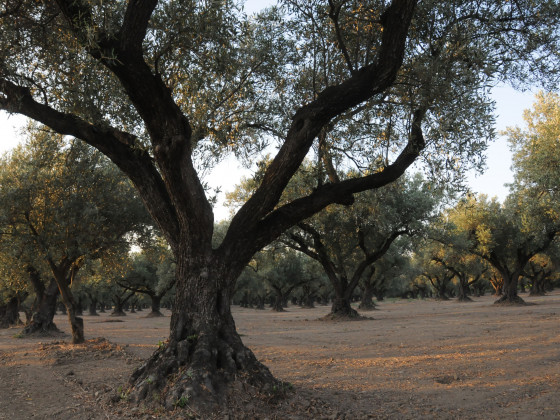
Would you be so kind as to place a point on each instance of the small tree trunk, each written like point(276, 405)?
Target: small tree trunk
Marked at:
point(278, 305)
point(118, 309)
point(367, 297)
point(341, 308)
point(93, 307)
point(463, 290)
point(156, 306)
point(9, 313)
point(76, 323)
point(259, 302)
point(308, 301)
point(538, 285)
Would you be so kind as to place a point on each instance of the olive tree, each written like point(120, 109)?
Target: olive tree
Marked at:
point(61, 203)
point(163, 88)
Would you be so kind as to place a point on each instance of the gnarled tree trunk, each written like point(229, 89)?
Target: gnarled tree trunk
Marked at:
point(509, 288)
point(341, 307)
point(92, 307)
point(366, 302)
point(204, 351)
point(44, 307)
point(9, 313)
point(156, 306)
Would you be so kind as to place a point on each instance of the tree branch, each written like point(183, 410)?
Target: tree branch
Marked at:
point(292, 213)
point(310, 119)
point(117, 145)
point(334, 13)
point(135, 23)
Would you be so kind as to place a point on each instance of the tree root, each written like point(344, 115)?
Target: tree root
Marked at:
point(505, 300)
point(154, 314)
point(199, 374)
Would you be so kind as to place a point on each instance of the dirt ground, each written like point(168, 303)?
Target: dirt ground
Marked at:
point(421, 359)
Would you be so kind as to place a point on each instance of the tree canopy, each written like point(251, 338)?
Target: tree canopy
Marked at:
point(61, 203)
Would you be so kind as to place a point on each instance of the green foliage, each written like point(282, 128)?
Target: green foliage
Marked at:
point(63, 200)
point(536, 148)
point(182, 402)
point(61, 208)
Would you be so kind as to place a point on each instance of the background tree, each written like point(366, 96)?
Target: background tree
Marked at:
point(447, 248)
point(14, 290)
point(438, 275)
point(506, 236)
point(251, 290)
point(62, 202)
point(348, 241)
point(162, 87)
point(284, 272)
point(151, 274)
point(536, 158)
point(540, 271)
point(378, 278)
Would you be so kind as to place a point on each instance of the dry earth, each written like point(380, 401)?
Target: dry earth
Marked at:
point(414, 360)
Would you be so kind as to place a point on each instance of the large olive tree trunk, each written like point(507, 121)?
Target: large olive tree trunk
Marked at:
point(44, 307)
point(204, 349)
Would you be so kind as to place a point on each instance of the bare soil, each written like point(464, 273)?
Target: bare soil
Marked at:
point(422, 359)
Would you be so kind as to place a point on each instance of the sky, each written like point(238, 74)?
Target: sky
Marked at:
point(509, 109)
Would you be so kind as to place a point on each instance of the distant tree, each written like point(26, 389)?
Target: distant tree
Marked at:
point(540, 271)
point(506, 236)
point(152, 273)
point(14, 288)
point(251, 290)
point(536, 151)
point(438, 275)
point(348, 241)
point(285, 271)
point(377, 279)
point(448, 250)
point(61, 203)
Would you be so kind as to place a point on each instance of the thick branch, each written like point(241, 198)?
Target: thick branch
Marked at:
point(310, 119)
point(169, 129)
point(292, 213)
point(373, 256)
point(135, 23)
point(116, 145)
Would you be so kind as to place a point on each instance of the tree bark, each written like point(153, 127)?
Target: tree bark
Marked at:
point(119, 302)
point(44, 307)
point(341, 307)
point(156, 306)
point(9, 313)
point(463, 289)
point(204, 350)
point(278, 304)
point(76, 322)
point(92, 306)
point(509, 288)
point(538, 284)
point(367, 303)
